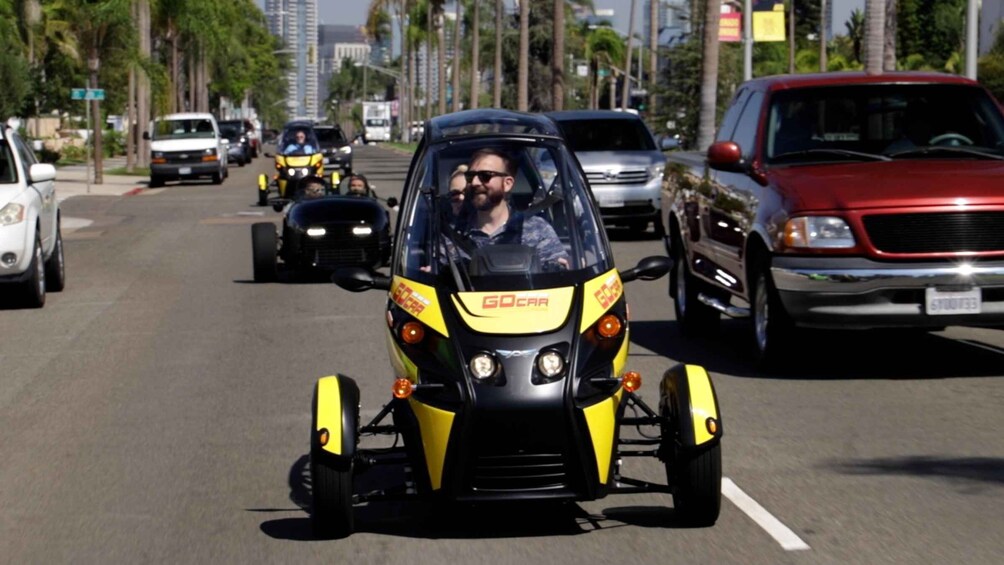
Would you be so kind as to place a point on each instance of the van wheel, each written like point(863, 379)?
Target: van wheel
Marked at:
point(693, 317)
point(772, 327)
point(55, 267)
point(156, 181)
point(217, 178)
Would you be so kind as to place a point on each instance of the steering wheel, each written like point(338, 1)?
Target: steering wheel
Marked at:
point(950, 138)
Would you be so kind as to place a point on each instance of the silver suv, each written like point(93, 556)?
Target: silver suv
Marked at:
point(622, 164)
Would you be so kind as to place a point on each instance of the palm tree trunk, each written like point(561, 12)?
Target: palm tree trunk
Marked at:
point(404, 97)
point(93, 64)
point(523, 73)
point(497, 79)
point(441, 56)
point(143, 86)
point(558, 58)
point(456, 60)
point(131, 122)
point(874, 32)
point(428, 62)
point(626, 88)
point(889, 53)
point(709, 76)
point(653, 54)
point(822, 36)
point(475, 51)
point(791, 38)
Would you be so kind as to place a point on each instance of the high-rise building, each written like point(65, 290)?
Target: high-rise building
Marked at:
point(336, 43)
point(295, 22)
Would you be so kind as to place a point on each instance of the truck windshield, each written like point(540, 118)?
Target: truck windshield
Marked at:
point(374, 122)
point(893, 120)
point(183, 129)
point(606, 135)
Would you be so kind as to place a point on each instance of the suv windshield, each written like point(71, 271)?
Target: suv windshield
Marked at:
point(183, 129)
point(858, 122)
point(330, 136)
point(606, 135)
point(231, 131)
point(547, 232)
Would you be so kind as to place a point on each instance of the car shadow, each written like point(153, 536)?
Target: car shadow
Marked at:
point(972, 473)
point(826, 354)
point(428, 519)
point(627, 234)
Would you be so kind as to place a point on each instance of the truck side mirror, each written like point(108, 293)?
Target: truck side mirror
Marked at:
point(726, 156)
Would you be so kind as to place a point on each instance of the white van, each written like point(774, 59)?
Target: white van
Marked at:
point(186, 146)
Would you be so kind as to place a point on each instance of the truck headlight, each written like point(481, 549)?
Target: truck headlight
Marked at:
point(316, 232)
point(157, 154)
point(347, 150)
point(818, 232)
point(11, 214)
point(210, 151)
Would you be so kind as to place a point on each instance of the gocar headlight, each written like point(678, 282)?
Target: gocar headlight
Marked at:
point(483, 366)
point(550, 364)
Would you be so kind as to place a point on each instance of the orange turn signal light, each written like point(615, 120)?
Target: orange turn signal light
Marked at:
point(402, 388)
point(609, 326)
point(412, 332)
point(712, 425)
point(631, 381)
point(322, 436)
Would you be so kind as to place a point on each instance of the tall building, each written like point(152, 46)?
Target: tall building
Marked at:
point(337, 43)
point(295, 22)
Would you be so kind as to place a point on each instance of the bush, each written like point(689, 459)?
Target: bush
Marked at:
point(47, 155)
point(112, 143)
point(74, 153)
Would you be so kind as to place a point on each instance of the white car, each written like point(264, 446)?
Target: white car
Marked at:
point(31, 243)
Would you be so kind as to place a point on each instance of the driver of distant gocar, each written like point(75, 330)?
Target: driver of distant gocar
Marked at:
point(491, 220)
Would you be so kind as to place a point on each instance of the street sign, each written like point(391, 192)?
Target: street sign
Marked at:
point(87, 94)
point(639, 92)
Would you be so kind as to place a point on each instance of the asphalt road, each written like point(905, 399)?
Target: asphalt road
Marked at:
point(158, 410)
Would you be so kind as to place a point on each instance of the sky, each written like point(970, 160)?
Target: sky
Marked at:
point(353, 12)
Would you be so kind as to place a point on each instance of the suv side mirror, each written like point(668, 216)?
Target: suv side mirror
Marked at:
point(648, 269)
point(726, 156)
point(392, 202)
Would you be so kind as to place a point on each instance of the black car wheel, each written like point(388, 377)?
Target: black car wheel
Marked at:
point(772, 327)
point(33, 288)
point(55, 267)
point(331, 515)
point(693, 317)
point(697, 493)
point(156, 181)
point(263, 247)
point(217, 178)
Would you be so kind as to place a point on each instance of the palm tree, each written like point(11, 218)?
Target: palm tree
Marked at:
point(856, 33)
point(475, 51)
point(603, 47)
point(456, 59)
point(497, 78)
point(874, 35)
point(822, 36)
point(437, 10)
point(558, 57)
point(709, 75)
point(626, 90)
point(889, 39)
point(653, 53)
point(523, 75)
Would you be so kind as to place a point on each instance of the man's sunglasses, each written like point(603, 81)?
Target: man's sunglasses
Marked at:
point(484, 176)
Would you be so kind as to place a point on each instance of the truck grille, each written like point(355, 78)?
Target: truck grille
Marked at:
point(521, 472)
point(949, 232)
point(183, 157)
point(627, 176)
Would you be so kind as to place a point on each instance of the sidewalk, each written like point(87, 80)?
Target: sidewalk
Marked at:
point(71, 181)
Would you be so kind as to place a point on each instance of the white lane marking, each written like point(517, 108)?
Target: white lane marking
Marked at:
point(781, 533)
point(251, 213)
point(70, 223)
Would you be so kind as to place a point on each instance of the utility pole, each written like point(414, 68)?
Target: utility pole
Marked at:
point(626, 89)
point(972, 33)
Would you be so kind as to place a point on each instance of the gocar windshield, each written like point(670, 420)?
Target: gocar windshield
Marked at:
point(549, 237)
point(294, 144)
point(607, 135)
point(898, 121)
point(183, 129)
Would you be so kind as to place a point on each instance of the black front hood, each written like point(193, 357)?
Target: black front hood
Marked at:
point(356, 209)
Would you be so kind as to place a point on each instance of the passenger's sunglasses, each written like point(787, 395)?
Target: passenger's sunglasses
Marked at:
point(484, 176)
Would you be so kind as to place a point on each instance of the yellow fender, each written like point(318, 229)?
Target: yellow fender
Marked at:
point(687, 394)
point(262, 183)
point(336, 180)
point(335, 426)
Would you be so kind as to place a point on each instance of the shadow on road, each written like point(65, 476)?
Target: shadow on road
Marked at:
point(966, 470)
point(827, 355)
point(450, 520)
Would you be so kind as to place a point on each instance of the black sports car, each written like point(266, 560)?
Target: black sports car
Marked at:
point(323, 234)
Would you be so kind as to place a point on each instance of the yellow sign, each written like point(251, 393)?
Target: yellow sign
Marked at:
point(768, 26)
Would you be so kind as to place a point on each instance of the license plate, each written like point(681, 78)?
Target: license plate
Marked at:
point(609, 203)
point(946, 302)
point(185, 171)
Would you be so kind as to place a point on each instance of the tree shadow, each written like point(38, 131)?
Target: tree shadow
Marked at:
point(955, 470)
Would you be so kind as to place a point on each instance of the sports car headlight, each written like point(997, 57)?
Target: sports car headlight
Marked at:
point(347, 150)
point(11, 214)
point(316, 232)
point(291, 172)
point(305, 171)
point(818, 232)
point(483, 366)
point(550, 364)
point(362, 230)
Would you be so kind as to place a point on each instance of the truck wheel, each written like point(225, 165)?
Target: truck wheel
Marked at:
point(263, 247)
point(33, 288)
point(772, 328)
point(217, 177)
point(156, 181)
point(693, 317)
point(697, 496)
point(55, 267)
point(331, 515)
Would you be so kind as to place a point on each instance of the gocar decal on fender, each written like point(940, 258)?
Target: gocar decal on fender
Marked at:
point(599, 295)
point(515, 312)
point(420, 301)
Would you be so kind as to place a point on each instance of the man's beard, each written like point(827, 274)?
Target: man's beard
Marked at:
point(485, 198)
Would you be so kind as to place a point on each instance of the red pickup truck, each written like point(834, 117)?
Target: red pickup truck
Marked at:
point(842, 200)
